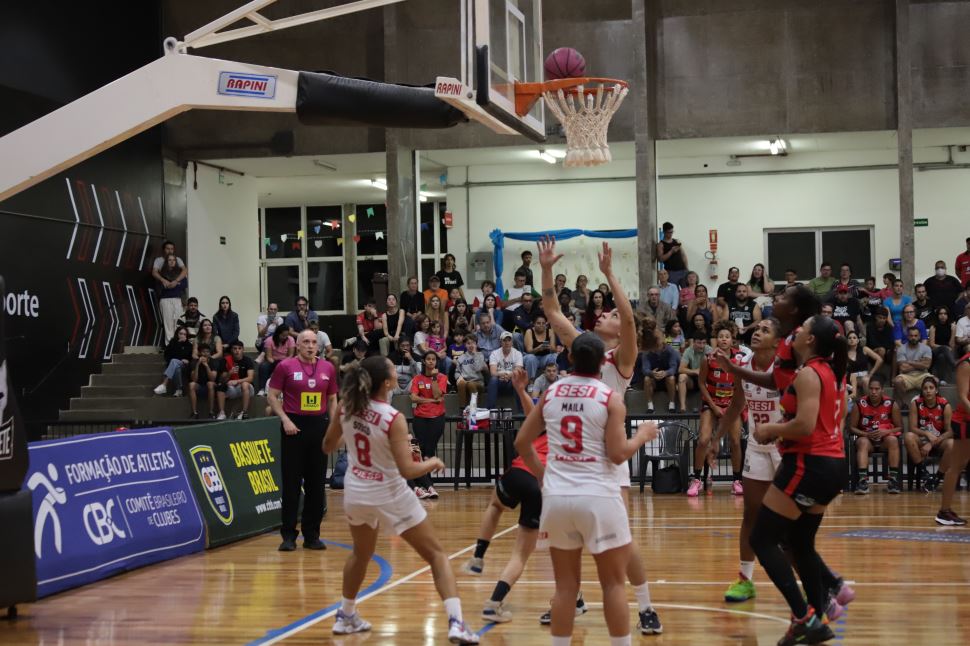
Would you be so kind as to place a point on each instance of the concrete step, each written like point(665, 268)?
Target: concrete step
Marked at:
point(162, 408)
point(117, 391)
point(145, 358)
point(118, 414)
point(137, 379)
point(138, 367)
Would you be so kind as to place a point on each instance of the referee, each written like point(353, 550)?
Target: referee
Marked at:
point(309, 387)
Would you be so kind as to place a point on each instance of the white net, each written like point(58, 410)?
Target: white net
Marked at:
point(586, 118)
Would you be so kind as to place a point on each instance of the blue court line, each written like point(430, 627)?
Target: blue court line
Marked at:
point(486, 628)
point(384, 576)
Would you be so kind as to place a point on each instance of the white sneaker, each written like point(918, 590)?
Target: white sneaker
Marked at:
point(458, 633)
point(261, 393)
point(432, 493)
point(649, 407)
point(473, 566)
point(496, 612)
point(347, 624)
point(221, 416)
point(421, 492)
point(160, 389)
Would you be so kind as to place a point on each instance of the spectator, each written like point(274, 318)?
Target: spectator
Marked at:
point(962, 266)
point(897, 302)
point(658, 309)
point(202, 379)
point(168, 249)
point(690, 366)
point(448, 276)
point(434, 289)
point(525, 268)
point(438, 344)
point(370, 329)
point(913, 360)
point(846, 309)
point(879, 335)
point(436, 311)
point(422, 328)
point(744, 312)
point(489, 334)
point(821, 285)
point(470, 372)
point(324, 346)
point(549, 376)
point(877, 424)
point(560, 285)
point(930, 417)
point(565, 304)
point(457, 344)
point(178, 357)
point(513, 295)
point(171, 292)
point(698, 323)
point(962, 331)
point(226, 322)
point(191, 317)
point(277, 347)
point(394, 322)
point(266, 324)
point(726, 290)
point(943, 343)
point(674, 335)
point(594, 310)
point(299, 319)
point(501, 363)
point(759, 284)
point(490, 306)
point(428, 394)
point(924, 309)
point(845, 280)
point(454, 295)
point(460, 310)
point(703, 306)
point(688, 290)
point(412, 301)
point(669, 293)
point(488, 287)
point(207, 336)
point(580, 295)
point(660, 366)
point(524, 315)
point(863, 364)
point(358, 352)
point(671, 253)
point(958, 308)
point(941, 288)
point(827, 311)
point(791, 280)
point(405, 365)
point(887, 285)
point(235, 380)
point(540, 346)
point(909, 321)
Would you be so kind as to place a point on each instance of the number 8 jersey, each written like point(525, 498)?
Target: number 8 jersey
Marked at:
point(575, 413)
point(372, 474)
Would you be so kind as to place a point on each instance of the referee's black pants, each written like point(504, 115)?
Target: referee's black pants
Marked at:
point(304, 463)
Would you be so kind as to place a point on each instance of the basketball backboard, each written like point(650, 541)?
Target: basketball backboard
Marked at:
point(501, 45)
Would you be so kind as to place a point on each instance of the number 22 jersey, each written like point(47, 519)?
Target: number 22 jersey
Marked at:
point(372, 474)
point(575, 413)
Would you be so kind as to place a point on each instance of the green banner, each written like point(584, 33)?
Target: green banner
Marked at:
point(234, 468)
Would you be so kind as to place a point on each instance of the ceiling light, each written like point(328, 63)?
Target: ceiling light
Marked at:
point(546, 157)
point(555, 152)
point(323, 164)
point(777, 146)
point(379, 183)
point(422, 197)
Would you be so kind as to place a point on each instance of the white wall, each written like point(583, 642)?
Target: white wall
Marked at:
point(226, 209)
point(739, 207)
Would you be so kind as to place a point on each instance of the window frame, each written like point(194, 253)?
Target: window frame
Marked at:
point(818, 231)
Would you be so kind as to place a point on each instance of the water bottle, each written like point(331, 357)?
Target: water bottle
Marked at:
point(473, 412)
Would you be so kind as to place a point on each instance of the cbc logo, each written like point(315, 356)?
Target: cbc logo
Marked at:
point(99, 525)
point(210, 478)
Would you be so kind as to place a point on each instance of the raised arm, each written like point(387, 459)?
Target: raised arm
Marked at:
point(520, 379)
point(550, 303)
point(626, 354)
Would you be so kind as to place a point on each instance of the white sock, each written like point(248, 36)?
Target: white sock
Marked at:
point(562, 641)
point(747, 570)
point(453, 608)
point(642, 593)
point(348, 606)
point(671, 406)
point(620, 641)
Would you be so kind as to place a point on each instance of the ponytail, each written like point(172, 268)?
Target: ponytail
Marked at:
point(362, 381)
point(831, 345)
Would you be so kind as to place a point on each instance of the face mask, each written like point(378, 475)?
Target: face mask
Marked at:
point(941, 272)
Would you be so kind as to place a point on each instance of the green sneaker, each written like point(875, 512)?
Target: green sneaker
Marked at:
point(740, 590)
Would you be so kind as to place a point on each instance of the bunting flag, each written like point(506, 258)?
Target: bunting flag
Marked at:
point(318, 243)
point(274, 247)
point(352, 218)
point(340, 241)
point(316, 229)
point(378, 235)
point(357, 238)
point(424, 226)
point(282, 237)
point(370, 211)
point(335, 224)
point(296, 246)
point(299, 234)
point(266, 241)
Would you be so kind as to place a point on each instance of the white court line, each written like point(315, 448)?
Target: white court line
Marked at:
point(911, 584)
point(825, 525)
point(678, 606)
point(393, 584)
point(665, 519)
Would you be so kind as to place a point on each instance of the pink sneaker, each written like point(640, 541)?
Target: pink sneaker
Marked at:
point(835, 610)
point(737, 489)
point(694, 487)
point(846, 595)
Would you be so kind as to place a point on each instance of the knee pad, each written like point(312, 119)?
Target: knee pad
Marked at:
point(770, 529)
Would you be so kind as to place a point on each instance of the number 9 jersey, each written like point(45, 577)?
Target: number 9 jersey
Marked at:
point(575, 413)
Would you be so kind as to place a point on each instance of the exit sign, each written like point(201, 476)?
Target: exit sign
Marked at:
point(921, 222)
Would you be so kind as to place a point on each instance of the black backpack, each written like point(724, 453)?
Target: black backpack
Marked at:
point(667, 479)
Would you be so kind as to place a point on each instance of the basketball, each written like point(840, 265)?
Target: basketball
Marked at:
point(565, 62)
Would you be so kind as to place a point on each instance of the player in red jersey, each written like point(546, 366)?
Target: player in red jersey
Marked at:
point(810, 477)
point(960, 426)
point(717, 388)
point(930, 416)
point(877, 424)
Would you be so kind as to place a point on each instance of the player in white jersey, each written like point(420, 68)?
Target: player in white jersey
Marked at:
point(760, 460)
point(618, 331)
point(380, 462)
point(581, 502)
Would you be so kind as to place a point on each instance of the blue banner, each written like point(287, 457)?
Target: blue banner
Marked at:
point(108, 503)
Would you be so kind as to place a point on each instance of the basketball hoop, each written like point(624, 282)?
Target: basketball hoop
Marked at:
point(585, 120)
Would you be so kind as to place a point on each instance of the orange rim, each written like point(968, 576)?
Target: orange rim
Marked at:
point(526, 94)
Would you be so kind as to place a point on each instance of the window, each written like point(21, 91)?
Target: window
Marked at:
point(804, 249)
point(432, 240)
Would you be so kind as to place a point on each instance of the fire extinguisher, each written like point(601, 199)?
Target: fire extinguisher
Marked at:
point(712, 255)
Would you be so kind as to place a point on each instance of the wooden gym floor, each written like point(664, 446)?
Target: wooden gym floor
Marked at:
point(913, 585)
